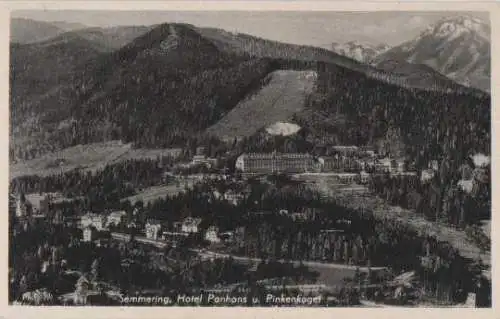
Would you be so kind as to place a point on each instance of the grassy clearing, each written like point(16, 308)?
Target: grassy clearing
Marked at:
point(283, 96)
point(150, 194)
point(87, 157)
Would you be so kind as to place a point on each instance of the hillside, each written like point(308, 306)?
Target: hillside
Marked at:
point(76, 157)
point(456, 47)
point(416, 74)
point(85, 157)
point(110, 39)
point(349, 108)
point(27, 30)
point(283, 95)
point(172, 83)
point(69, 26)
point(257, 47)
point(40, 77)
point(184, 83)
point(245, 44)
point(38, 72)
point(194, 87)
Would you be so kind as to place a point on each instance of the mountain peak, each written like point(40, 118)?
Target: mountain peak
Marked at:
point(359, 51)
point(457, 47)
point(169, 39)
point(465, 20)
point(454, 27)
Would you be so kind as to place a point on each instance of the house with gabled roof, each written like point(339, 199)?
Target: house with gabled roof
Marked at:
point(190, 225)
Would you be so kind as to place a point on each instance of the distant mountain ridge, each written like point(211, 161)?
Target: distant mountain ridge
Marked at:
point(113, 38)
point(262, 48)
point(362, 52)
point(457, 47)
point(27, 31)
point(69, 26)
point(110, 39)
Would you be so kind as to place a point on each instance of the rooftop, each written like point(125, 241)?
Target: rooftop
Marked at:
point(153, 222)
point(274, 155)
point(191, 220)
point(345, 147)
point(118, 213)
point(93, 215)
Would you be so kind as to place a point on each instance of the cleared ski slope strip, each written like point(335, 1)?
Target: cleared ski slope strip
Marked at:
point(284, 94)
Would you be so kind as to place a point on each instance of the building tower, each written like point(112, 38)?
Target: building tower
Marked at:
point(20, 207)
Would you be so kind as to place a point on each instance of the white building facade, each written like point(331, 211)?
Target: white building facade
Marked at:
point(95, 220)
point(212, 234)
point(190, 225)
point(153, 229)
point(115, 218)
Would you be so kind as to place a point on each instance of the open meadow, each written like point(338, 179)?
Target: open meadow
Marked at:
point(85, 157)
point(155, 192)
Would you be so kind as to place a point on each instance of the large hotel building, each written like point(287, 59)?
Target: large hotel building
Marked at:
point(257, 163)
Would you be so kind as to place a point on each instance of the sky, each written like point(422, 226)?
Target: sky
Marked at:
point(307, 28)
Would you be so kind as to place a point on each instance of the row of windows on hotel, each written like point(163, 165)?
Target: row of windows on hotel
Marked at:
point(300, 163)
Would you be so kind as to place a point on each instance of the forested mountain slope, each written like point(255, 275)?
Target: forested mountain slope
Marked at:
point(428, 124)
point(348, 107)
point(157, 90)
point(172, 83)
point(110, 39)
point(257, 47)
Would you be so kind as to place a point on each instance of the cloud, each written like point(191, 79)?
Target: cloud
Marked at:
point(377, 31)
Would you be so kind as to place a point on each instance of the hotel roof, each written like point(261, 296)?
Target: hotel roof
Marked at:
point(271, 155)
point(345, 147)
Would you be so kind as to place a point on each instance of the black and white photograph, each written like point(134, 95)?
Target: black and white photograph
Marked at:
point(250, 159)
